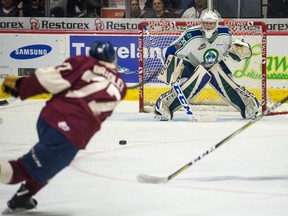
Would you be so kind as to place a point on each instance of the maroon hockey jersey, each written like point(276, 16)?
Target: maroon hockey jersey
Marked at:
point(84, 93)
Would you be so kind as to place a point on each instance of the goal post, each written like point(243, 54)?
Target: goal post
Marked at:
point(250, 73)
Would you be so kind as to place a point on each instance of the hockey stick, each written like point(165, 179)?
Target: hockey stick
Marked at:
point(144, 178)
point(139, 84)
point(127, 71)
point(7, 101)
point(154, 74)
point(180, 95)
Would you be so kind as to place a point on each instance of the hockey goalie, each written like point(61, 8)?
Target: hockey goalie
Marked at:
point(195, 59)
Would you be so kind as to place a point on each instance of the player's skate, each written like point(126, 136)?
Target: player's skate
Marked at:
point(20, 202)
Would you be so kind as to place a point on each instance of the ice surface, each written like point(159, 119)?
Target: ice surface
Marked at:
point(247, 176)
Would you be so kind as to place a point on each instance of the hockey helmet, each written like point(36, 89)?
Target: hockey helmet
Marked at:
point(209, 23)
point(103, 50)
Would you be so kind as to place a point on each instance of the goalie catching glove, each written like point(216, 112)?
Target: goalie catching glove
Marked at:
point(239, 50)
point(10, 85)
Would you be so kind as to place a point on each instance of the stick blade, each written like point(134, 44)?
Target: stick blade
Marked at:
point(7, 101)
point(148, 179)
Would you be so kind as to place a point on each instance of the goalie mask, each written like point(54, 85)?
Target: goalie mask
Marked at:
point(209, 23)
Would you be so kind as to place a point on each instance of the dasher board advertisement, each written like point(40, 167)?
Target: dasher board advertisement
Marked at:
point(20, 54)
point(126, 48)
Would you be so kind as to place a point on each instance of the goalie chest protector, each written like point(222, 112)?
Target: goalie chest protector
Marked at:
point(192, 45)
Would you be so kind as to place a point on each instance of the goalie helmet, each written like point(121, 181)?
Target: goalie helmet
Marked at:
point(209, 23)
point(103, 50)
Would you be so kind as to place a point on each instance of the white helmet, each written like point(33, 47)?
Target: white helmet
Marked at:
point(207, 18)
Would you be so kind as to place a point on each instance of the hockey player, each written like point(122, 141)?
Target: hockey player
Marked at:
point(196, 58)
point(85, 90)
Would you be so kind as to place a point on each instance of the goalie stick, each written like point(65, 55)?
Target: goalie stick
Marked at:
point(144, 178)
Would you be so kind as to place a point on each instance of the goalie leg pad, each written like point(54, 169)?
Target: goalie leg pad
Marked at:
point(252, 106)
point(196, 82)
point(6, 172)
point(190, 88)
point(234, 94)
point(161, 110)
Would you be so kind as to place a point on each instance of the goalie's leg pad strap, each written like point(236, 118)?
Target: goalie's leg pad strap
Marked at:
point(233, 93)
point(6, 172)
point(190, 87)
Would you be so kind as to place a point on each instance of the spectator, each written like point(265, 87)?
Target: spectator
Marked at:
point(159, 11)
point(185, 4)
point(171, 5)
point(58, 4)
point(135, 10)
point(90, 12)
point(34, 9)
point(148, 5)
point(178, 6)
point(7, 9)
point(98, 4)
point(196, 11)
point(277, 9)
point(76, 7)
point(168, 4)
point(57, 12)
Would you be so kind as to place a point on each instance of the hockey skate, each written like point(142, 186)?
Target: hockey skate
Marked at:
point(20, 202)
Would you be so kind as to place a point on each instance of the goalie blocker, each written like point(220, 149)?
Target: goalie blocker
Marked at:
point(219, 77)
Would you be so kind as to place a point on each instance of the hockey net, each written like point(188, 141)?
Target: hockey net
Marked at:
point(155, 36)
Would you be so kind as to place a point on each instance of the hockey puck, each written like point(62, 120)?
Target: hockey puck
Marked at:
point(122, 142)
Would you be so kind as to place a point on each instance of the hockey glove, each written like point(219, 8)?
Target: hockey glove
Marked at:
point(10, 85)
point(239, 50)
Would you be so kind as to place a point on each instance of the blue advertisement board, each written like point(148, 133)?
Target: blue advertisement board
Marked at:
point(126, 48)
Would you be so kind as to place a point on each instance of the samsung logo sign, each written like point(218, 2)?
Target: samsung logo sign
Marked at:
point(31, 52)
